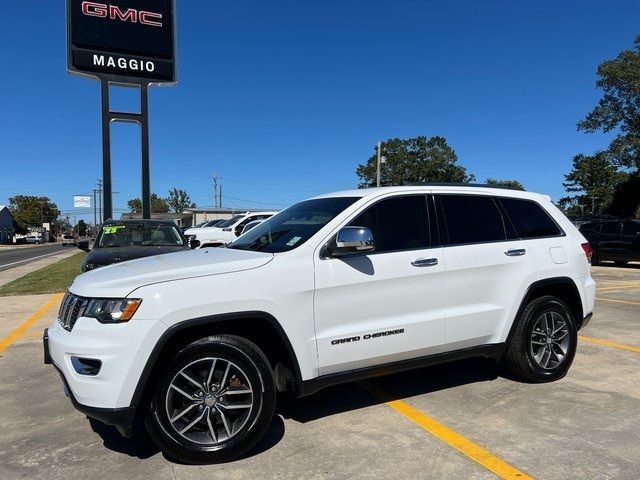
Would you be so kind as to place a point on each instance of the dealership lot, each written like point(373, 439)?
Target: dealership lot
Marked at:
point(462, 420)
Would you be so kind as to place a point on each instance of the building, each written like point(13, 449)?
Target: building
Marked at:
point(6, 225)
point(180, 219)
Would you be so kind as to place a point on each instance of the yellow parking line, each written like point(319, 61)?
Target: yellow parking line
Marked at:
point(13, 336)
point(465, 446)
point(609, 343)
point(619, 287)
point(613, 300)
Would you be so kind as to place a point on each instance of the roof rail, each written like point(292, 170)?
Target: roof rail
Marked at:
point(455, 184)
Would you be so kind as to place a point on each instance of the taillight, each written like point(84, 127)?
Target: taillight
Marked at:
point(588, 251)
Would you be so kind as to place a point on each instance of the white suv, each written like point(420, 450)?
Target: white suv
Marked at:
point(225, 232)
point(333, 289)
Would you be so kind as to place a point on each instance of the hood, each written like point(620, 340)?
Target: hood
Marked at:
point(107, 256)
point(120, 279)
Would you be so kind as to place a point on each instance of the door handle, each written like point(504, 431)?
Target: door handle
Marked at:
point(515, 252)
point(425, 262)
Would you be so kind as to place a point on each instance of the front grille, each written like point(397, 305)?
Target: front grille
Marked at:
point(71, 309)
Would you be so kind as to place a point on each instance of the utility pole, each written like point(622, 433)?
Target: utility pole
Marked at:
point(220, 194)
point(95, 210)
point(100, 200)
point(215, 191)
point(378, 169)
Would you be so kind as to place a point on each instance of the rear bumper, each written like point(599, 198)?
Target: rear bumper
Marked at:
point(121, 418)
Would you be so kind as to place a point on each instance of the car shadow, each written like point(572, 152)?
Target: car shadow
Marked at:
point(613, 265)
point(353, 396)
point(330, 401)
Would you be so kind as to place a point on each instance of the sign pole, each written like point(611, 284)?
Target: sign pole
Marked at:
point(144, 127)
point(106, 151)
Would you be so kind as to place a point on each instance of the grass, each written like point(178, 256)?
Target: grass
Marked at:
point(51, 279)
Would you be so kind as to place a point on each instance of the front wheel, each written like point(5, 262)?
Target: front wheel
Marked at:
point(544, 343)
point(214, 402)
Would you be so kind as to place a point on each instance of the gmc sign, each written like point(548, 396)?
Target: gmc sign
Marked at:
point(129, 41)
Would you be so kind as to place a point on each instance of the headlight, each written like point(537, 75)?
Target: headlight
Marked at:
point(89, 266)
point(112, 310)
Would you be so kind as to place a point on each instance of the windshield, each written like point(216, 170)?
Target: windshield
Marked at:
point(139, 235)
point(231, 221)
point(294, 226)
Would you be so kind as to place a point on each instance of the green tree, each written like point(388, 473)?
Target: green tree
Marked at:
point(158, 205)
point(81, 228)
point(512, 184)
point(178, 200)
point(413, 160)
point(593, 180)
point(32, 211)
point(619, 107)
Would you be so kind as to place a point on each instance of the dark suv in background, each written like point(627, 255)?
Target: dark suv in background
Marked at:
point(616, 240)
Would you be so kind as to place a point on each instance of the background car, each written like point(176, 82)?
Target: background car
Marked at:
point(616, 240)
point(122, 240)
point(36, 239)
point(225, 232)
point(69, 240)
point(250, 225)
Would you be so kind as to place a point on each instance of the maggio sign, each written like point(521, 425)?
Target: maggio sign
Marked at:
point(129, 39)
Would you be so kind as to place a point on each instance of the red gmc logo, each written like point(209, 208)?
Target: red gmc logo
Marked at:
point(101, 10)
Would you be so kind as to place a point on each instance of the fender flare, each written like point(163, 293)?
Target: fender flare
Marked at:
point(164, 340)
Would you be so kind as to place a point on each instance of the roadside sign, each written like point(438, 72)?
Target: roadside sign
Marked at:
point(81, 201)
point(129, 41)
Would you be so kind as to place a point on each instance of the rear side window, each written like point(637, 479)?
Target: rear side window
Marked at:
point(529, 219)
point(471, 219)
point(398, 223)
point(631, 228)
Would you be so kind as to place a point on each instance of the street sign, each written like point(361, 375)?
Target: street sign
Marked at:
point(127, 41)
point(81, 201)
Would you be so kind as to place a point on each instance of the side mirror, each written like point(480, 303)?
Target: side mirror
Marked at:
point(84, 245)
point(194, 244)
point(352, 240)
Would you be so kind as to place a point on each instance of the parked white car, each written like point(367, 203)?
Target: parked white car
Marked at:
point(69, 240)
point(250, 225)
point(34, 238)
point(225, 232)
point(334, 289)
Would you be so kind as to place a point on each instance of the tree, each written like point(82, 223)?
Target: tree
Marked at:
point(619, 108)
point(31, 211)
point(512, 184)
point(594, 180)
point(414, 160)
point(158, 205)
point(178, 200)
point(81, 228)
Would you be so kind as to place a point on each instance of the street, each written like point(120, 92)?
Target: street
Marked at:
point(15, 257)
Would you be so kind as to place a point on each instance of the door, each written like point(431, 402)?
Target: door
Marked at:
point(384, 306)
point(486, 272)
point(610, 240)
point(631, 239)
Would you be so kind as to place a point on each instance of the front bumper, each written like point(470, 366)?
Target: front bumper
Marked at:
point(122, 350)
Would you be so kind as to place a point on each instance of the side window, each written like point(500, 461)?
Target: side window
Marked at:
point(611, 228)
point(398, 223)
point(471, 219)
point(631, 228)
point(529, 219)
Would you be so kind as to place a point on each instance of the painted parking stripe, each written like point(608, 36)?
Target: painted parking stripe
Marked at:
point(618, 287)
point(613, 300)
point(18, 332)
point(465, 446)
point(609, 343)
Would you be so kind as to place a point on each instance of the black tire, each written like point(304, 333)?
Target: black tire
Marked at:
point(595, 259)
point(253, 370)
point(621, 263)
point(521, 359)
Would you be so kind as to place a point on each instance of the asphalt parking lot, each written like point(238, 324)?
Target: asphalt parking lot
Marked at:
point(461, 420)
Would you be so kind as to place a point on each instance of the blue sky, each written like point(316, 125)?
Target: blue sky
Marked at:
point(284, 99)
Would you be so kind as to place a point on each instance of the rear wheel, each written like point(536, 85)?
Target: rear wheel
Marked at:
point(595, 259)
point(621, 263)
point(544, 343)
point(214, 402)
